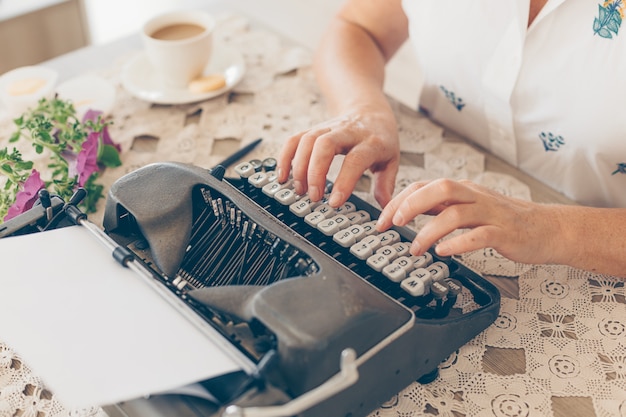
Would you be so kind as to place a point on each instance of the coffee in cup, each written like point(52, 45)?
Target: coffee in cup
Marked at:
point(179, 45)
point(177, 32)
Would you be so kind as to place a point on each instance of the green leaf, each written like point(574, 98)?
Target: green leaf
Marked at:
point(24, 165)
point(45, 136)
point(109, 156)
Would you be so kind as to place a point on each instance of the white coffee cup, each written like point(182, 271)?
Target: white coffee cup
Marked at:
point(179, 45)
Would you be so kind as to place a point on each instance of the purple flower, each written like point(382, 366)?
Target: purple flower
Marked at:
point(106, 137)
point(26, 197)
point(71, 159)
point(87, 161)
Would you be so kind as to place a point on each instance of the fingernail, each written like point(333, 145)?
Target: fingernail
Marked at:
point(297, 187)
point(279, 172)
point(443, 249)
point(398, 219)
point(314, 193)
point(335, 199)
point(416, 248)
point(380, 224)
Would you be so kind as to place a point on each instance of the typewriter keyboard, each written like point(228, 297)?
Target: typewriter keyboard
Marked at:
point(348, 234)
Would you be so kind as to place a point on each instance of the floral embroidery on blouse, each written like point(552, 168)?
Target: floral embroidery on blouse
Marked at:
point(621, 169)
point(456, 101)
point(551, 142)
point(610, 18)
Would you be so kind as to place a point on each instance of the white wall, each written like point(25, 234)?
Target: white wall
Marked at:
point(109, 20)
point(303, 21)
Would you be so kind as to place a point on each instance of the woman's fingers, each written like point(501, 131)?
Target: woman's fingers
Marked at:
point(286, 155)
point(427, 197)
point(468, 241)
point(385, 182)
point(433, 197)
point(454, 217)
point(357, 161)
point(517, 229)
point(312, 162)
point(368, 143)
point(456, 205)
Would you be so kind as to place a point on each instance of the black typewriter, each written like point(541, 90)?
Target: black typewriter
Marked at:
point(330, 317)
point(335, 317)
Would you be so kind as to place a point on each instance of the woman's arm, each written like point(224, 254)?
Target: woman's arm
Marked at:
point(349, 65)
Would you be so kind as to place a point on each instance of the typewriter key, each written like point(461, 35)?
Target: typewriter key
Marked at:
point(257, 164)
point(245, 169)
point(269, 164)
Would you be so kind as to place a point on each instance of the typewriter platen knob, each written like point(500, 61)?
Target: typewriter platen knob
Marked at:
point(218, 172)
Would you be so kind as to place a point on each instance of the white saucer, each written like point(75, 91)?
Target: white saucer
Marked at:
point(139, 78)
point(88, 92)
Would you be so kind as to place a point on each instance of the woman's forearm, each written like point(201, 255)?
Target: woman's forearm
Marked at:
point(350, 60)
point(349, 68)
point(593, 239)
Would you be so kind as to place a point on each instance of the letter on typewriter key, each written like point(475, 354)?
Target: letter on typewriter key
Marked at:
point(423, 275)
point(349, 236)
point(365, 248)
point(301, 207)
point(331, 226)
point(439, 290)
point(370, 228)
point(244, 169)
point(273, 187)
point(319, 213)
point(286, 196)
point(439, 271)
point(389, 237)
point(405, 262)
point(359, 217)
point(378, 261)
point(414, 286)
point(389, 251)
point(346, 208)
point(454, 286)
point(313, 218)
point(401, 248)
point(258, 179)
point(394, 272)
point(423, 260)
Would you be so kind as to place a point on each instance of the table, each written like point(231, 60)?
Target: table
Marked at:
point(558, 347)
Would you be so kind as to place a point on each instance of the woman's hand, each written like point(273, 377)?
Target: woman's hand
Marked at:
point(519, 230)
point(369, 140)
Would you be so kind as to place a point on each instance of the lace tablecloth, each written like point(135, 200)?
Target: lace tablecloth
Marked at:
point(566, 329)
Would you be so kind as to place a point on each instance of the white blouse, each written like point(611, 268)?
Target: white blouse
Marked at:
point(549, 98)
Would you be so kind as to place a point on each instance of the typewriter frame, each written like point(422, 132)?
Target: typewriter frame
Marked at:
point(348, 385)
